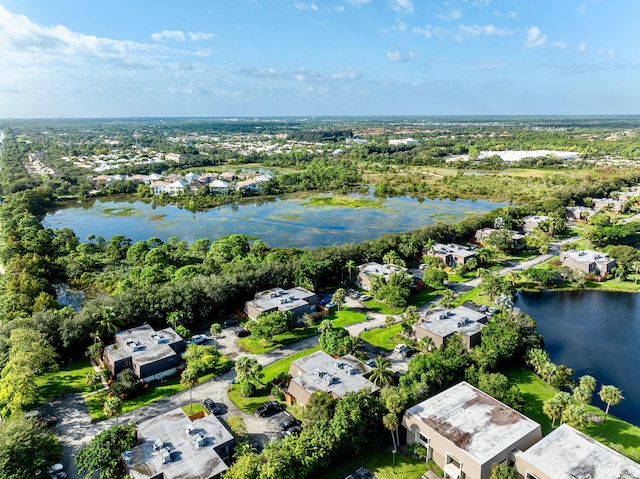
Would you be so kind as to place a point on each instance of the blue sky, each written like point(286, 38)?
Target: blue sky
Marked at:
point(79, 58)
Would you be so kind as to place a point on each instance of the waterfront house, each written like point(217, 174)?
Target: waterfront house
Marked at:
point(592, 262)
point(567, 453)
point(465, 431)
point(440, 325)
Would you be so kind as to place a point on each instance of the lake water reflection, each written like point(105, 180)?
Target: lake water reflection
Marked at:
point(595, 333)
point(279, 221)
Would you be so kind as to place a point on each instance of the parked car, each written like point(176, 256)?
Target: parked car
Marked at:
point(356, 294)
point(269, 408)
point(288, 423)
point(330, 305)
point(370, 362)
point(211, 406)
point(399, 346)
point(55, 469)
point(407, 352)
point(293, 431)
point(243, 333)
point(422, 266)
point(58, 475)
point(230, 323)
point(365, 297)
point(197, 339)
point(48, 421)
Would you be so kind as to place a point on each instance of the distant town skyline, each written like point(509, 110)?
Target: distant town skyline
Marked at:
point(75, 58)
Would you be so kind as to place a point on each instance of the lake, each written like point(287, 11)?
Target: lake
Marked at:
point(278, 221)
point(595, 333)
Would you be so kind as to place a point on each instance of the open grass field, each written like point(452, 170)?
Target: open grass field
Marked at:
point(380, 463)
point(384, 338)
point(67, 379)
point(254, 346)
point(615, 433)
point(345, 317)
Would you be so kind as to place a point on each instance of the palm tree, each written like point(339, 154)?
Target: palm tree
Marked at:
point(446, 301)
point(381, 375)
point(338, 297)
point(94, 378)
point(582, 395)
point(610, 395)
point(575, 416)
point(537, 359)
point(552, 408)
point(390, 422)
point(588, 382)
point(113, 407)
point(108, 322)
point(391, 257)
point(636, 266)
point(411, 314)
point(351, 266)
point(248, 369)
point(351, 345)
point(189, 378)
point(388, 322)
point(215, 329)
point(426, 344)
point(326, 326)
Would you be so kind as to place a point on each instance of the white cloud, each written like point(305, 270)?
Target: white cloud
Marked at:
point(450, 15)
point(402, 6)
point(560, 45)
point(200, 36)
point(582, 47)
point(396, 56)
point(305, 6)
point(512, 14)
point(476, 30)
point(175, 35)
point(401, 26)
point(429, 31)
point(606, 52)
point(180, 36)
point(535, 38)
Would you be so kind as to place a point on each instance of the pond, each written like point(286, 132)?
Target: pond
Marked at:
point(595, 333)
point(296, 221)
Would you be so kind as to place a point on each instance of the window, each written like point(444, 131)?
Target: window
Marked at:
point(452, 468)
point(530, 476)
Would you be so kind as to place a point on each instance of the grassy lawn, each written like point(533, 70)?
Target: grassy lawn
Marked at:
point(380, 336)
point(615, 285)
point(154, 393)
point(475, 296)
point(382, 308)
point(380, 463)
point(68, 379)
point(423, 296)
point(250, 404)
point(345, 317)
point(615, 433)
point(254, 346)
point(194, 408)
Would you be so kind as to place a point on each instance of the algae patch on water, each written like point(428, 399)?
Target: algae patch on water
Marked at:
point(343, 202)
point(157, 217)
point(120, 211)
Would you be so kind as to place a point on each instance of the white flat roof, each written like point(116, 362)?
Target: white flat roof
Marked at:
point(473, 421)
point(567, 453)
point(188, 461)
point(461, 320)
point(587, 256)
point(338, 376)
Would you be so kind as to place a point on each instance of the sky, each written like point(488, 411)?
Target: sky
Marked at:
point(227, 58)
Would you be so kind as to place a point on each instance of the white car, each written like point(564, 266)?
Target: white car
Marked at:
point(400, 347)
point(197, 339)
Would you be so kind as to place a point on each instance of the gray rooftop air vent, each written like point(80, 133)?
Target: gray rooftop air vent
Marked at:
point(166, 455)
point(158, 444)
